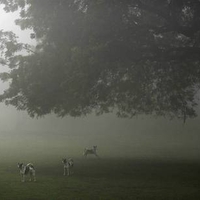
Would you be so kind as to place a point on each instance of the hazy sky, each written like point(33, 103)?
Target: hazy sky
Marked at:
point(7, 23)
point(143, 136)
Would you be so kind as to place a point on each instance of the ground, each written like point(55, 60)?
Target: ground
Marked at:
point(105, 179)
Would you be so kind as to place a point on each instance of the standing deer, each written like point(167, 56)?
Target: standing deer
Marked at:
point(25, 170)
point(68, 165)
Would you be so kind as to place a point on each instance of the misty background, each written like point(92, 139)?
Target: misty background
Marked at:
point(142, 136)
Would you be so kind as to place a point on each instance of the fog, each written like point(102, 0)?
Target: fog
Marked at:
point(139, 137)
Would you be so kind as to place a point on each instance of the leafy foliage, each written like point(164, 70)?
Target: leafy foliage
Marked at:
point(130, 56)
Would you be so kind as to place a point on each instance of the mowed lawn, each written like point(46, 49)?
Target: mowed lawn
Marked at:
point(104, 178)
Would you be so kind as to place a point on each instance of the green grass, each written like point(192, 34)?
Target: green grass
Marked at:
point(104, 179)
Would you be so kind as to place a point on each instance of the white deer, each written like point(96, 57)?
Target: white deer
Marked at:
point(90, 151)
point(25, 170)
point(68, 165)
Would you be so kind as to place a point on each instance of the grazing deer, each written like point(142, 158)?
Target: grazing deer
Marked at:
point(68, 165)
point(25, 170)
point(90, 151)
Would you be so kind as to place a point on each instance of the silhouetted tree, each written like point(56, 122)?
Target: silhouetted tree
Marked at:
point(128, 56)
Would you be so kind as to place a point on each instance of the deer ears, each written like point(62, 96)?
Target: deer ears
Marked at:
point(19, 164)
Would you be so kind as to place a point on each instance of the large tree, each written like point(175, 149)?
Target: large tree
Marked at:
point(127, 56)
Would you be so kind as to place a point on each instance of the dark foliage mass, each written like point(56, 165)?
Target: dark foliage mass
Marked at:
point(129, 56)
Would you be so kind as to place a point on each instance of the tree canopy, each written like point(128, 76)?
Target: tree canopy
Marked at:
point(128, 56)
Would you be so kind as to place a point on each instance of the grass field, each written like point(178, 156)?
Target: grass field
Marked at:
point(104, 178)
